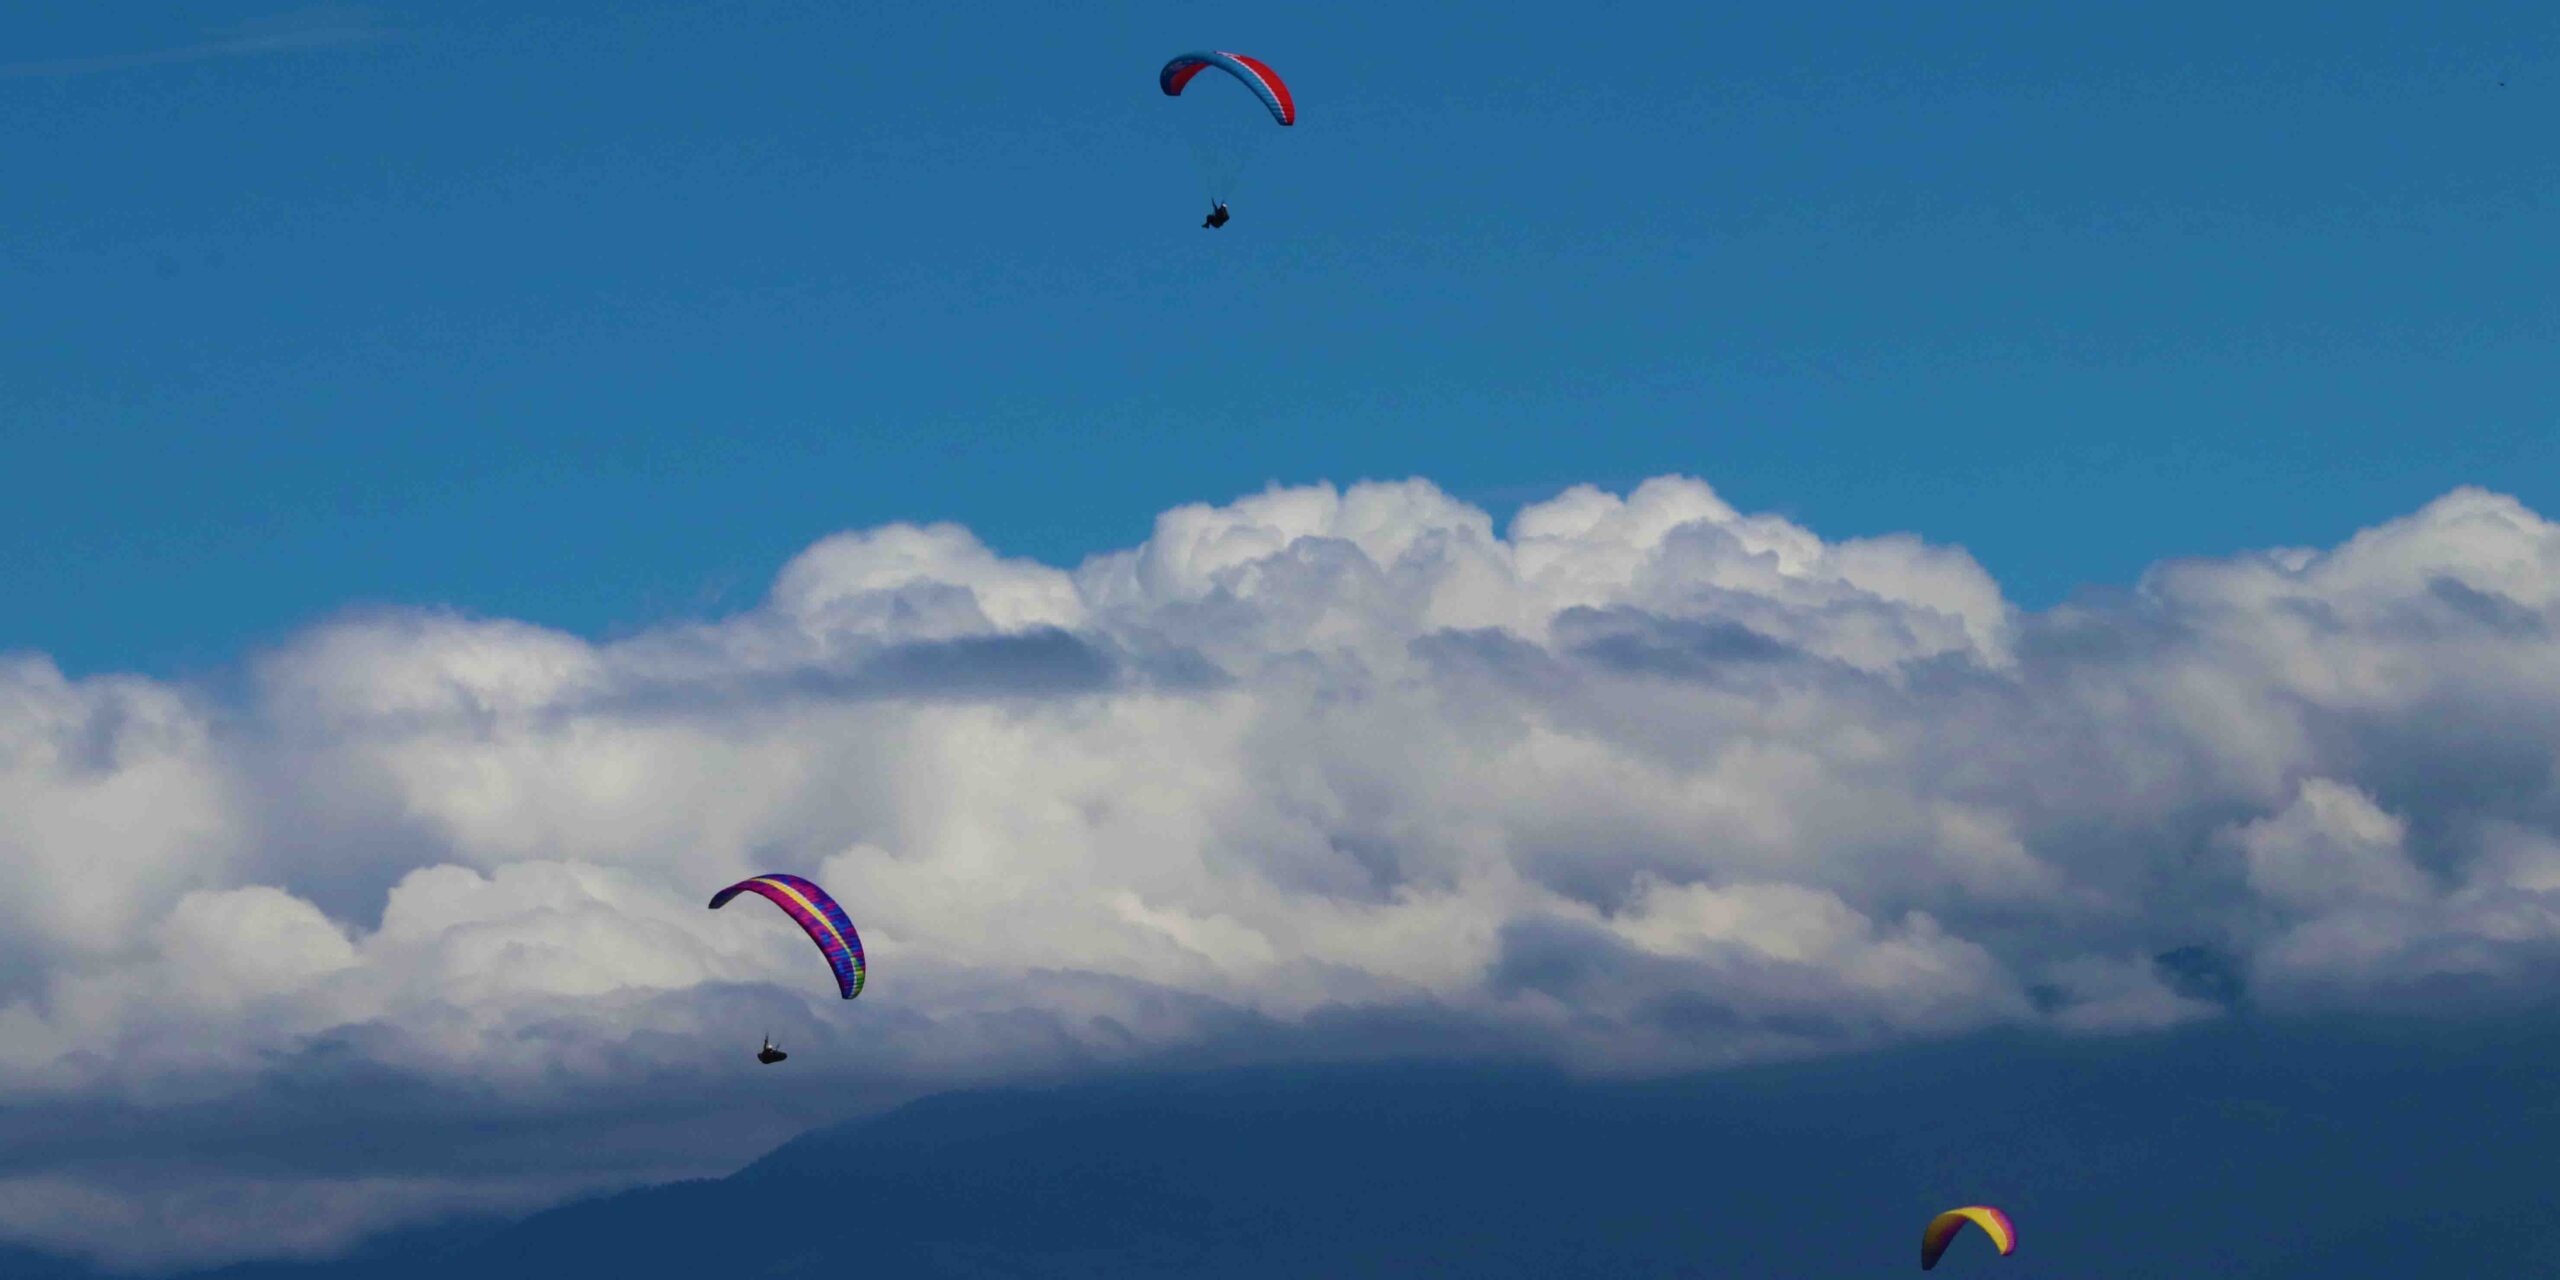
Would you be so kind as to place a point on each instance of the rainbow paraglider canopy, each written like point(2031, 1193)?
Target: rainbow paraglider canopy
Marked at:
point(817, 914)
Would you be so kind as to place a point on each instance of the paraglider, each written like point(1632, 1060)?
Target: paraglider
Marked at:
point(768, 1055)
point(1252, 72)
point(1942, 1231)
point(818, 916)
point(1226, 133)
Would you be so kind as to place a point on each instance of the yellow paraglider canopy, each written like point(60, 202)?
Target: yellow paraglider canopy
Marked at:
point(1943, 1228)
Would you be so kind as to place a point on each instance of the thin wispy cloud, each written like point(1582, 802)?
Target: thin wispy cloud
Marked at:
point(303, 31)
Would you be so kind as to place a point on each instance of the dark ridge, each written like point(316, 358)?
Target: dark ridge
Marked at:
point(2235, 1150)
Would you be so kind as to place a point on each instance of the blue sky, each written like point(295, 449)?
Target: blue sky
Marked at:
point(491, 432)
point(594, 318)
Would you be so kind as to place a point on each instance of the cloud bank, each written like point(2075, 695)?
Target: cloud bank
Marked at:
point(1640, 784)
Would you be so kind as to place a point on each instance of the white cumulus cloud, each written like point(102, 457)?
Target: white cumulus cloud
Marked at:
point(1639, 782)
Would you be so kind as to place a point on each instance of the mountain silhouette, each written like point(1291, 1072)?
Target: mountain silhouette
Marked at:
point(2236, 1150)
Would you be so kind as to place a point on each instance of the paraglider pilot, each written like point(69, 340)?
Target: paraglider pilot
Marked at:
point(768, 1055)
point(1217, 217)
